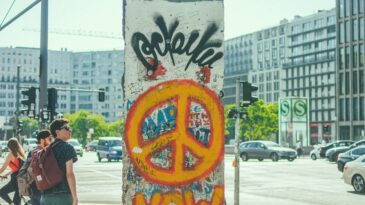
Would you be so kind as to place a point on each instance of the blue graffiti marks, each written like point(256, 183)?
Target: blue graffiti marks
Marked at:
point(128, 104)
point(159, 121)
point(199, 123)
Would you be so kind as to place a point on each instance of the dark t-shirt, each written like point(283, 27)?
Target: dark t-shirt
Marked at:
point(63, 153)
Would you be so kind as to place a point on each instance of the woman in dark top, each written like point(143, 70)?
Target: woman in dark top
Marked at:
point(14, 160)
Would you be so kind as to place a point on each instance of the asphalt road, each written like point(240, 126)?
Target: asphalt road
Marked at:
point(302, 182)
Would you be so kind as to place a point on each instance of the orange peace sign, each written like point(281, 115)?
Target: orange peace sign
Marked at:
point(184, 92)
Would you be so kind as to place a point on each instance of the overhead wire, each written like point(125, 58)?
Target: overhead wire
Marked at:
point(11, 6)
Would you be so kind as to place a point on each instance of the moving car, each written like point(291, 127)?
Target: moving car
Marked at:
point(265, 150)
point(340, 143)
point(354, 174)
point(349, 156)
point(109, 148)
point(91, 146)
point(77, 146)
point(29, 144)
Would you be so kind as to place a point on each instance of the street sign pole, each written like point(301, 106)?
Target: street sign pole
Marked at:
point(236, 150)
point(43, 70)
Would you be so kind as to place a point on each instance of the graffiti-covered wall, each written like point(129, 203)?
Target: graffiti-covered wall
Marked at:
point(174, 126)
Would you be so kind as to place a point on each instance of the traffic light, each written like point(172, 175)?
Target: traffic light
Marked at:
point(52, 101)
point(31, 96)
point(248, 98)
point(101, 95)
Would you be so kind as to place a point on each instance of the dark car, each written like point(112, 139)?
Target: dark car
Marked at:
point(349, 156)
point(341, 143)
point(91, 146)
point(265, 150)
point(332, 154)
point(109, 148)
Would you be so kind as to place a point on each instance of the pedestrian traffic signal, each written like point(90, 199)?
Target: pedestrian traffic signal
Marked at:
point(52, 101)
point(101, 95)
point(248, 98)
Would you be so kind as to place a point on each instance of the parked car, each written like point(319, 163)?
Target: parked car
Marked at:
point(332, 154)
point(91, 146)
point(29, 144)
point(77, 146)
point(354, 174)
point(109, 148)
point(349, 156)
point(265, 150)
point(314, 153)
point(340, 143)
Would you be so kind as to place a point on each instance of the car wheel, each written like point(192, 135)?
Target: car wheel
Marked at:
point(290, 159)
point(260, 159)
point(358, 183)
point(99, 158)
point(244, 156)
point(109, 159)
point(313, 157)
point(274, 157)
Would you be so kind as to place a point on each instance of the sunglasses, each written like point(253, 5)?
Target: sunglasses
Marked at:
point(67, 128)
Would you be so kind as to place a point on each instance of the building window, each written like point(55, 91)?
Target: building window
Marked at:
point(354, 7)
point(361, 108)
point(347, 30)
point(342, 8)
point(354, 82)
point(355, 109)
point(361, 55)
point(347, 57)
point(355, 29)
point(347, 83)
point(362, 29)
point(361, 81)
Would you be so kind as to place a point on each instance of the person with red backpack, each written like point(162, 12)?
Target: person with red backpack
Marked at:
point(14, 160)
point(63, 193)
point(44, 138)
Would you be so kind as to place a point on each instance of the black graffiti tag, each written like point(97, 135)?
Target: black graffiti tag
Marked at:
point(169, 42)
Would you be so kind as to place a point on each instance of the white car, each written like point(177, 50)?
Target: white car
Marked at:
point(314, 154)
point(354, 174)
point(77, 146)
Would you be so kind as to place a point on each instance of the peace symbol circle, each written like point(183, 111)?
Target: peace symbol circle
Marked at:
point(180, 140)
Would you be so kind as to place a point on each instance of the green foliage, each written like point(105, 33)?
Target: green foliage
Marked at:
point(29, 126)
point(116, 128)
point(83, 120)
point(261, 122)
point(228, 122)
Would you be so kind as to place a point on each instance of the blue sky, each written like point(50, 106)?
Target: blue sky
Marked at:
point(241, 17)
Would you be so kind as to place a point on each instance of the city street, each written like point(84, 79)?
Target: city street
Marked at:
point(302, 182)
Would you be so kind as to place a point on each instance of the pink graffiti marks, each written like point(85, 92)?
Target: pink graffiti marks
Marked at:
point(204, 74)
point(176, 198)
point(153, 74)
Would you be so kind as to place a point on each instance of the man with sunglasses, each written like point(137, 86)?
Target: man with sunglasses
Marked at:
point(65, 192)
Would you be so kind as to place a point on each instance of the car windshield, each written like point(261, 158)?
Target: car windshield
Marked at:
point(115, 143)
point(74, 143)
point(271, 144)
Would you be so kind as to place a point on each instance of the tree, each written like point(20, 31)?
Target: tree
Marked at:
point(116, 128)
point(29, 126)
point(261, 122)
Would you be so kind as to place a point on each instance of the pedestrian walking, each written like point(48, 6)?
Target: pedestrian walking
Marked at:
point(44, 138)
point(65, 192)
point(14, 161)
point(299, 148)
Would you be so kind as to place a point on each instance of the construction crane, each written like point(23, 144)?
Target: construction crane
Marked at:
point(79, 32)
